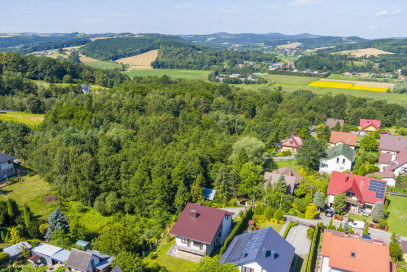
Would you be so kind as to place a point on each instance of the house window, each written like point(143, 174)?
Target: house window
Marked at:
point(353, 254)
point(198, 244)
point(246, 269)
point(337, 160)
point(184, 240)
point(343, 160)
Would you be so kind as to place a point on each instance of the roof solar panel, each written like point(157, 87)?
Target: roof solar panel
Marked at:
point(236, 251)
point(377, 186)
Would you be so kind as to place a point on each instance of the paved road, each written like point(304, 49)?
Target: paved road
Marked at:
point(283, 158)
point(297, 237)
point(236, 210)
point(374, 233)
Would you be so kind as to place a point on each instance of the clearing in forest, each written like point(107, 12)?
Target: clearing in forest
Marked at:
point(140, 62)
point(367, 51)
point(30, 119)
point(289, 45)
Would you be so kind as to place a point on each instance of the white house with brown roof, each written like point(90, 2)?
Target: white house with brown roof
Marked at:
point(347, 138)
point(200, 230)
point(6, 166)
point(291, 177)
point(292, 143)
point(392, 144)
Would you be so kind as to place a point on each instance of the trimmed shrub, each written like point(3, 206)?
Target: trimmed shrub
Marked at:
point(310, 232)
point(278, 214)
point(291, 224)
point(314, 248)
point(4, 258)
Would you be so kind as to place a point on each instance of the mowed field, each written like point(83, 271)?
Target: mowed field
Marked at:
point(367, 51)
point(140, 62)
point(187, 74)
point(29, 119)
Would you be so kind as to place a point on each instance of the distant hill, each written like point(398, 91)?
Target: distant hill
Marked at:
point(389, 45)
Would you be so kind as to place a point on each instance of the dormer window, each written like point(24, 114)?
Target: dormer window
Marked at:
point(337, 160)
point(353, 254)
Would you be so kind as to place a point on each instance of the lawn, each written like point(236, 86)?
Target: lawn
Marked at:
point(289, 80)
point(29, 119)
point(397, 220)
point(30, 191)
point(357, 217)
point(187, 74)
point(171, 263)
point(104, 64)
point(276, 227)
point(292, 163)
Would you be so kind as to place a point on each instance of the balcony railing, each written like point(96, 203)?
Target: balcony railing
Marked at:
point(352, 200)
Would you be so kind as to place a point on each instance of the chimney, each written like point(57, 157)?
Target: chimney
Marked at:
point(347, 178)
point(193, 214)
point(290, 173)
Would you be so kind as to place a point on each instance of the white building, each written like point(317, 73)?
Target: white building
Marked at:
point(339, 158)
point(6, 166)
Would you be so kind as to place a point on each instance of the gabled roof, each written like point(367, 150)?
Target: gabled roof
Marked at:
point(403, 245)
point(399, 161)
point(6, 157)
point(79, 260)
point(385, 158)
point(117, 269)
point(343, 182)
point(331, 122)
point(46, 249)
point(338, 150)
point(199, 223)
point(16, 249)
point(386, 174)
point(343, 137)
point(355, 254)
point(364, 123)
point(264, 247)
point(293, 141)
point(392, 143)
point(290, 175)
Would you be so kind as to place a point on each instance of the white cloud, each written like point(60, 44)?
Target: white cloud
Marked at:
point(397, 12)
point(302, 2)
point(382, 13)
point(122, 15)
point(186, 5)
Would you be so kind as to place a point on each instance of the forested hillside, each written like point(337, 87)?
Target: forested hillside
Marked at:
point(175, 53)
point(151, 145)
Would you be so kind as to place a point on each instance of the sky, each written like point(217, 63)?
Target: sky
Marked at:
point(363, 18)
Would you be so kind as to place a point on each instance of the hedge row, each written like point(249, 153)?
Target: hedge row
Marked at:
point(238, 229)
point(291, 224)
point(314, 248)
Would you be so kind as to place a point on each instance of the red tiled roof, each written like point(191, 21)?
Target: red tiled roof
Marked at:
point(364, 123)
point(201, 228)
point(385, 158)
point(342, 182)
point(293, 141)
point(343, 137)
point(368, 256)
point(392, 143)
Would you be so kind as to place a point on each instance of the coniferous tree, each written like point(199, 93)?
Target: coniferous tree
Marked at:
point(319, 200)
point(56, 222)
point(377, 212)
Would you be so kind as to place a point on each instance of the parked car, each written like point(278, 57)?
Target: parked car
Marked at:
point(357, 224)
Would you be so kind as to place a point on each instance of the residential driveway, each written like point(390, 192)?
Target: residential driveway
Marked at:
point(236, 210)
point(297, 237)
point(283, 158)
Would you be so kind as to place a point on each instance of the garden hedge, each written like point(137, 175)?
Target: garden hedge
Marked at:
point(291, 224)
point(238, 229)
point(314, 248)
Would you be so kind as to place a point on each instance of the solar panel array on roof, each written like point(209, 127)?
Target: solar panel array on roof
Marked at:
point(377, 186)
point(236, 253)
point(256, 241)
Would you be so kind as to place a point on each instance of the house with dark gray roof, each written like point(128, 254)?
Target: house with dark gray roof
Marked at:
point(88, 261)
point(262, 250)
point(6, 166)
point(49, 254)
point(200, 230)
point(339, 158)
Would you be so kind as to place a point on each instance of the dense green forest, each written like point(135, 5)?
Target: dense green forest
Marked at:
point(317, 42)
point(175, 52)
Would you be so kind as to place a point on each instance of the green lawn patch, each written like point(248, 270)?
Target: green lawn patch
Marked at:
point(290, 80)
point(292, 163)
point(276, 227)
point(397, 220)
point(104, 64)
point(357, 217)
point(29, 119)
point(171, 263)
point(30, 191)
point(187, 74)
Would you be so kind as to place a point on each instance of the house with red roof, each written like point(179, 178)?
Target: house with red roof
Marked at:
point(368, 125)
point(361, 191)
point(347, 252)
point(200, 230)
point(343, 137)
point(292, 143)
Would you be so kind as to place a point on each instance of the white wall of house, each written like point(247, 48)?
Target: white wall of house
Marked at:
point(206, 248)
point(227, 227)
point(327, 268)
point(331, 199)
point(390, 181)
point(6, 170)
point(332, 145)
point(382, 166)
point(401, 168)
point(339, 163)
point(393, 153)
point(252, 265)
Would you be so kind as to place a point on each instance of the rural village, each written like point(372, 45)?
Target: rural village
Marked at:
point(221, 152)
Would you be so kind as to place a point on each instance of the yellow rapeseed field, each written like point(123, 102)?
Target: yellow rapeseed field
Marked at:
point(328, 84)
point(341, 85)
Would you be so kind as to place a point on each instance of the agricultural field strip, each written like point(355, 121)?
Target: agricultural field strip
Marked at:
point(142, 60)
point(362, 83)
point(341, 85)
point(367, 51)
